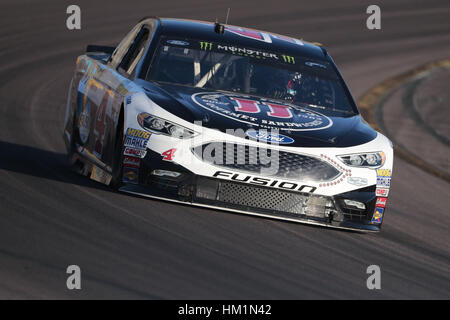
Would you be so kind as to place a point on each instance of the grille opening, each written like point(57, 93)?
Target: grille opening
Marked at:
point(274, 200)
point(268, 162)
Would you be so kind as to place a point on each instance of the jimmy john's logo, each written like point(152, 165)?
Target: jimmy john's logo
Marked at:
point(286, 185)
point(261, 112)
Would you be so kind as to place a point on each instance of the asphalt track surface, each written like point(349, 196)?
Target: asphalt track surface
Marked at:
point(129, 247)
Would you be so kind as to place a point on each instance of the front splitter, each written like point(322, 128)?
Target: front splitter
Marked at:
point(154, 194)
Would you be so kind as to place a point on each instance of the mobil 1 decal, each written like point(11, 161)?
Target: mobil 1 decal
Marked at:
point(262, 112)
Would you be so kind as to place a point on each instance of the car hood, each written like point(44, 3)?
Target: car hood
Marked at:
point(297, 125)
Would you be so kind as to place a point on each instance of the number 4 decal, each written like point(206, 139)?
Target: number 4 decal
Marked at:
point(100, 124)
point(168, 155)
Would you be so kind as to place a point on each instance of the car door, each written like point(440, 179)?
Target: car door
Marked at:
point(112, 84)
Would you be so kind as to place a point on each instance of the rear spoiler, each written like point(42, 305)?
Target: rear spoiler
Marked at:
point(104, 49)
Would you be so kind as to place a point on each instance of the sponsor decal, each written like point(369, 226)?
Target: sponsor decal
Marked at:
point(103, 110)
point(266, 136)
point(138, 133)
point(288, 59)
point(315, 64)
point(381, 202)
point(383, 182)
point(357, 181)
point(130, 175)
point(137, 138)
point(382, 192)
point(100, 175)
point(169, 154)
point(286, 185)
point(84, 121)
point(134, 152)
point(261, 36)
point(178, 42)
point(247, 52)
point(121, 89)
point(263, 113)
point(384, 172)
point(252, 53)
point(205, 45)
point(131, 162)
point(377, 217)
point(288, 39)
point(248, 33)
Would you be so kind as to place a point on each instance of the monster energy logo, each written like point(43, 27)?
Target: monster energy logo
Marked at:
point(205, 45)
point(288, 59)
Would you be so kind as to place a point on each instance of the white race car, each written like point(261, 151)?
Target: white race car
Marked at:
point(229, 118)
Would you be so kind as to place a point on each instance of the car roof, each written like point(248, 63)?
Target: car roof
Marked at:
point(203, 30)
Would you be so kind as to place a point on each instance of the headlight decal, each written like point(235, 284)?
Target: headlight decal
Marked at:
point(364, 160)
point(159, 125)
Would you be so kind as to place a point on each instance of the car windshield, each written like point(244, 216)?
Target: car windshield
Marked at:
point(217, 66)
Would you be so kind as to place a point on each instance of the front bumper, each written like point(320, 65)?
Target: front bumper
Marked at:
point(192, 189)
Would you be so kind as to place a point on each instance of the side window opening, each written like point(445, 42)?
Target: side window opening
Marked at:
point(122, 48)
point(135, 51)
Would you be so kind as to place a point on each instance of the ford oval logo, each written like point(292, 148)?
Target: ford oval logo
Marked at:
point(178, 42)
point(267, 136)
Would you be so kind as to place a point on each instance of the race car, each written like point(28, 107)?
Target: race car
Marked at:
point(229, 118)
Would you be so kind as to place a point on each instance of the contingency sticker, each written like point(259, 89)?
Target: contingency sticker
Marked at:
point(128, 151)
point(377, 217)
point(384, 173)
point(381, 202)
point(131, 162)
point(383, 182)
point(137, 138)
point(381, 192)
point(100, 175)
point(130, 175)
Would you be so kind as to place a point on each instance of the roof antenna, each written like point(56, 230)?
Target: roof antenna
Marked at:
point(228, 13)
point(220, 28)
